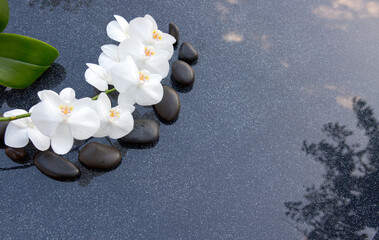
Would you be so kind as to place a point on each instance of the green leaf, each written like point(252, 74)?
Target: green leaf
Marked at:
point(23, 60)
point(27, 49)
point(16, 74)
point(4, 14)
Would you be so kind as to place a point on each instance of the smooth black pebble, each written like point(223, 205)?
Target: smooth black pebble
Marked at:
point(188, 53)
point(99, 156)
point(182, 74)
point(173, 30)
point(145, 131)
point(55, 166)
point(16, 154)
point(3, 127)
point(168, 109)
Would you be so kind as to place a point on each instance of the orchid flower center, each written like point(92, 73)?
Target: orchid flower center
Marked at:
point(144, 76)
point(157, 35)
point(66, 109)
point(149, 51)
point(114, 114)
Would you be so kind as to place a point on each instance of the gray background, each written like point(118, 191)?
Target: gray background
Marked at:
point(270, 74)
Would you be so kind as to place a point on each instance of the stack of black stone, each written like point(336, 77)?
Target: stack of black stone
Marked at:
point(101, 157)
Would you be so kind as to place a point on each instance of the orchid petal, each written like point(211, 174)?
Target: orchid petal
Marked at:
point(103, 130)
point(62, 141)
point(141, 28)
point(67, 94)
point(105, 61)
point(21, 123)
point(152, 21)
point(99, 70)
point(124, 75)
point(170, 50)
point(118, 30)
point(102, 106)
point(126, 107)
point(16, 137)
point(124, 25)
point(94, 79)
point(129, 97)
point(122, 126)
point(46, 117)
point(167, 39)
point(151, 93)
point(132, 47)
point(111, 51)
point(49, 96)
point(14, 112)
point(40, 141)
point(158, 65)
point(84, 121)
point(97, 76)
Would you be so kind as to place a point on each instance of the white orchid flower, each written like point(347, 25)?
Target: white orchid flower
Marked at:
point(63, 117)
point(118, 29)
point(98, 77)
point(146, 29)
point(114, 122)
point(136, 86)
point(146, 57)
point(19, 132)
point(109, 56)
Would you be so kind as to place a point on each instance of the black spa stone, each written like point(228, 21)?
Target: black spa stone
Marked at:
point(3, 127)
point(145, 131)
point(99, 156)
point(188, 53)
point(182, 74)
point(173, 30)
point(16, 154)
point(55, 166)
point(168, 109)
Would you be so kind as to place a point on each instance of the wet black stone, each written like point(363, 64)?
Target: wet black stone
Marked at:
point(188, 53)
point(145, 131)
point(182, 74)
point(55, 166)
point(99, 156)
point(173, 30)
point(16, 154)
point(168, 109)
point(3, 127)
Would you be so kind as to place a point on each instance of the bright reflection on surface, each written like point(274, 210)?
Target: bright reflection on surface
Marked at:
point(226, 15)
point(346, 102)
point(285, 64)
point(343, 99)
point(232, 37)
point(265, 43)
point(348, 10)
point(221, 8)
point(233, 1)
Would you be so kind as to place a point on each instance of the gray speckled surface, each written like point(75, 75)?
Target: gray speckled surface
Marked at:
point(270, 74)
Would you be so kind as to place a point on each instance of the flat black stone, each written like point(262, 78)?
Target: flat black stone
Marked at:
point(182, 74)
point(55, 166)
point(145, 131)
point(16, 154)
point(3, 127)
point(188, 53)
point(99, 156)
point(173, 30)
point(168, 109)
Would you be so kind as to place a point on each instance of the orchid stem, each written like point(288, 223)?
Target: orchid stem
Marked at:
point(106, 92)
point(11, 118)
